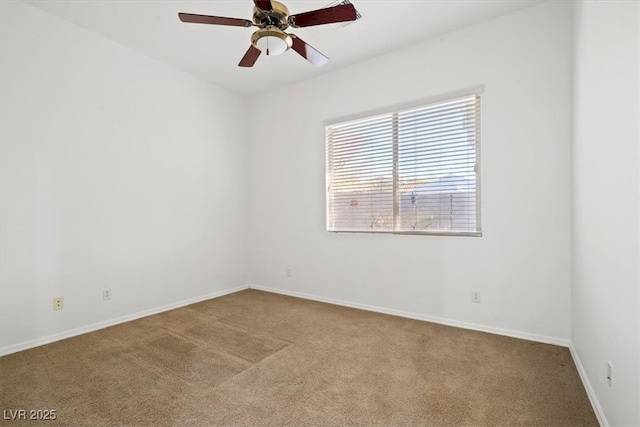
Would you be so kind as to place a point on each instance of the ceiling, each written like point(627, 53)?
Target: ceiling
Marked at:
point(151, 27)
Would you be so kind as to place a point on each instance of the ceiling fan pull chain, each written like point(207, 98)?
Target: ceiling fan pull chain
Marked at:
point(268, 37)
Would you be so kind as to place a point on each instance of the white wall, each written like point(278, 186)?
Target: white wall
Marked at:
point(117, 172)
point(606, 211)
point(521, 264)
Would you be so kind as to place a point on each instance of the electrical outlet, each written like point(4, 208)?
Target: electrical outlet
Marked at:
point(475, 296)
point(58, 303)
point(106, 294)
point(288, 272)
point(610, 374)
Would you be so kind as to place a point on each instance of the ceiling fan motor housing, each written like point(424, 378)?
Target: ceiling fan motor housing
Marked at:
point(276, 17)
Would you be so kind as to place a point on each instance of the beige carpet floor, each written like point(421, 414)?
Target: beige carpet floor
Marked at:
point(260, 359)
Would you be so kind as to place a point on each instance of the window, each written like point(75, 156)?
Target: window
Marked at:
point(410, 171)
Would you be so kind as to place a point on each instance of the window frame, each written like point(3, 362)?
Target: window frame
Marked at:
point(394, 111)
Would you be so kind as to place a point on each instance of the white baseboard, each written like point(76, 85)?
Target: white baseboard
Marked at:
point(25, 345)
point(595, 404)
point(416, 316)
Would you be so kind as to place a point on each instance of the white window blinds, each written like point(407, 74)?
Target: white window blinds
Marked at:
point(409, 171)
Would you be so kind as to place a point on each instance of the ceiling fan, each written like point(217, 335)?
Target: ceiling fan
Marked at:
point(273, 18)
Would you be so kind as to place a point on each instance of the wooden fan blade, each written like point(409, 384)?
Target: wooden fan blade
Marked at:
point(263, 4)
point(308, 52)
point(250, 57)
point(328, 15)
point(214, 20)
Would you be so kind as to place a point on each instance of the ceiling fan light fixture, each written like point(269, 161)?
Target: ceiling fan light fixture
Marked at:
point(272, 41)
